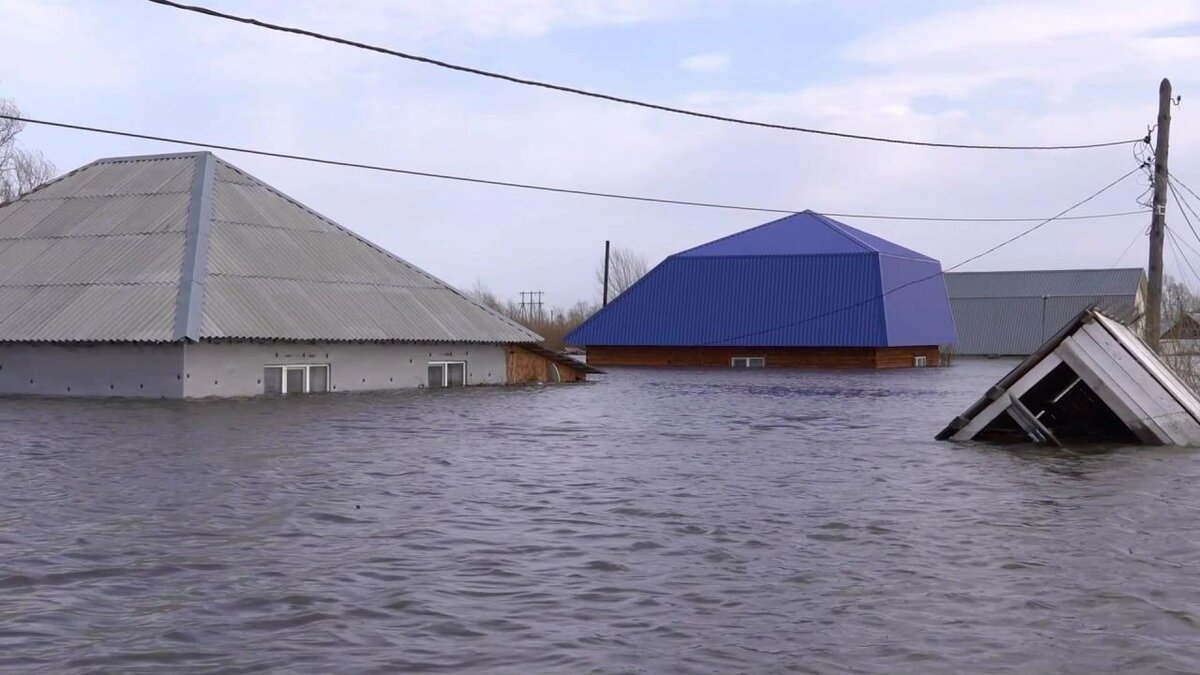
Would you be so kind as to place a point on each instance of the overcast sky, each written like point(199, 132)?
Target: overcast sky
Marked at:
point(1004, 72)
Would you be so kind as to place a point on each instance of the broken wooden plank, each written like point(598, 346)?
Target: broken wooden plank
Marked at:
point(1000, 402)
point(1029, 423)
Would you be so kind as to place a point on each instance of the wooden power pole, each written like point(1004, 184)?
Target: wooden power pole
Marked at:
point(1158, 219)
point(606, 249)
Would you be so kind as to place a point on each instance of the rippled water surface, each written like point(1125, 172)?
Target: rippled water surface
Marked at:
point(653, 522)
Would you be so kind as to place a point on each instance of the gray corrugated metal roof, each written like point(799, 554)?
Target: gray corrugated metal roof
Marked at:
point(1039, 283)
point(99, 254)
point(1013, 313)
point(1018, 326)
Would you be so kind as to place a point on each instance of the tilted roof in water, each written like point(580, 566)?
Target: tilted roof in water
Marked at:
point(186, 246)
point(801, 281)
point(1095, 380)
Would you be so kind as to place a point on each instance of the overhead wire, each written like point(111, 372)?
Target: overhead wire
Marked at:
point(1141, 232)
point(1181, 259)
point(1183, 202)
point(250, 21)
point(1184, 207)
point(517, 185)
point(1181, 184)
point(940, 273)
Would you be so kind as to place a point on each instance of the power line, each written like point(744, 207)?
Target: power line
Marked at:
point(940, 273)
point(1177, 253)
point(609, 97)
point(1184, 207)
point(1141, 232)
point(1172, 181)
point(511, 184)
point(1181, 184)
point(1186, 245)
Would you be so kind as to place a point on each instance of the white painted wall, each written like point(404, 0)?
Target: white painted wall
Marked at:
point(228, 369)
point(144, 371)
point(236, 368)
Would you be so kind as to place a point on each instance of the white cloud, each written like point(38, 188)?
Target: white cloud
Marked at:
point(493, 18)
point(716, 62)
point(42, 40)
point(1002, 29)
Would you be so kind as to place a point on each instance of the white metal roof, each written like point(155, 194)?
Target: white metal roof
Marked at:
point(186, 246)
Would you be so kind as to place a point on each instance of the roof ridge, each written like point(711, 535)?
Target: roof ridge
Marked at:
point(50, 182)
point(153, 157)
point(783, 255)
point(840, 228)
point(190, 299)
point(739, 232)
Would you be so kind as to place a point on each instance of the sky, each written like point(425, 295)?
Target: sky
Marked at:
point(1009, 72)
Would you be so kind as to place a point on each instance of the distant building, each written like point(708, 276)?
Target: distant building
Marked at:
point(182, 276)
point(802, 291)
point(1013, 313)
point(1183, 336)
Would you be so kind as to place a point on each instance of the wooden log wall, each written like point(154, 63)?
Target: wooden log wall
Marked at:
point(526, 367)
point(776, 357)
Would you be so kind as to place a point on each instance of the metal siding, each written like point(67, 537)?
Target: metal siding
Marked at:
point(152, 258)
point(1039, 283)
point(65, 217)
point(249, 250)
point(21, 217)
point(141, 312)
point(244, 307)
point(1061, 311)
point(136, 214)
point(280, 270)
point(998, 326)
point(915, 303)
point(763, 301)
point(18, 255)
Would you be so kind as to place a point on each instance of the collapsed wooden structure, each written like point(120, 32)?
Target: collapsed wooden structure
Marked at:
point(1096, 380)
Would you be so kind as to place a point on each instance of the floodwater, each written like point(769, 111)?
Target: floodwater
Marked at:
point(653, 522)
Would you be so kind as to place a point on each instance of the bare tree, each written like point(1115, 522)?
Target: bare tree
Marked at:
point(1177, 301)
point(21, 170)
point(626, 266)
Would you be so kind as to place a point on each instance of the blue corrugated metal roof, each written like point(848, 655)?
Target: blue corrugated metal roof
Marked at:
point(805, 233)
point(802, 281)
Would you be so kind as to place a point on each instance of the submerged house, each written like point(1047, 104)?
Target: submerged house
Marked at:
point(1095, 380)
point(802, 291)
point(182, 276)
point(1013, 313)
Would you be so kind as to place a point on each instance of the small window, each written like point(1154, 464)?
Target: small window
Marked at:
point(298, 379)
point(920, 361)
point(447, 374)
point(294, 380)
point(318, 379)
point(272, 380)
point(748, 362)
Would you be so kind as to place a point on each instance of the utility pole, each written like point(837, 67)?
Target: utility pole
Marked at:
point(1158, 219)
point(606, 249)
